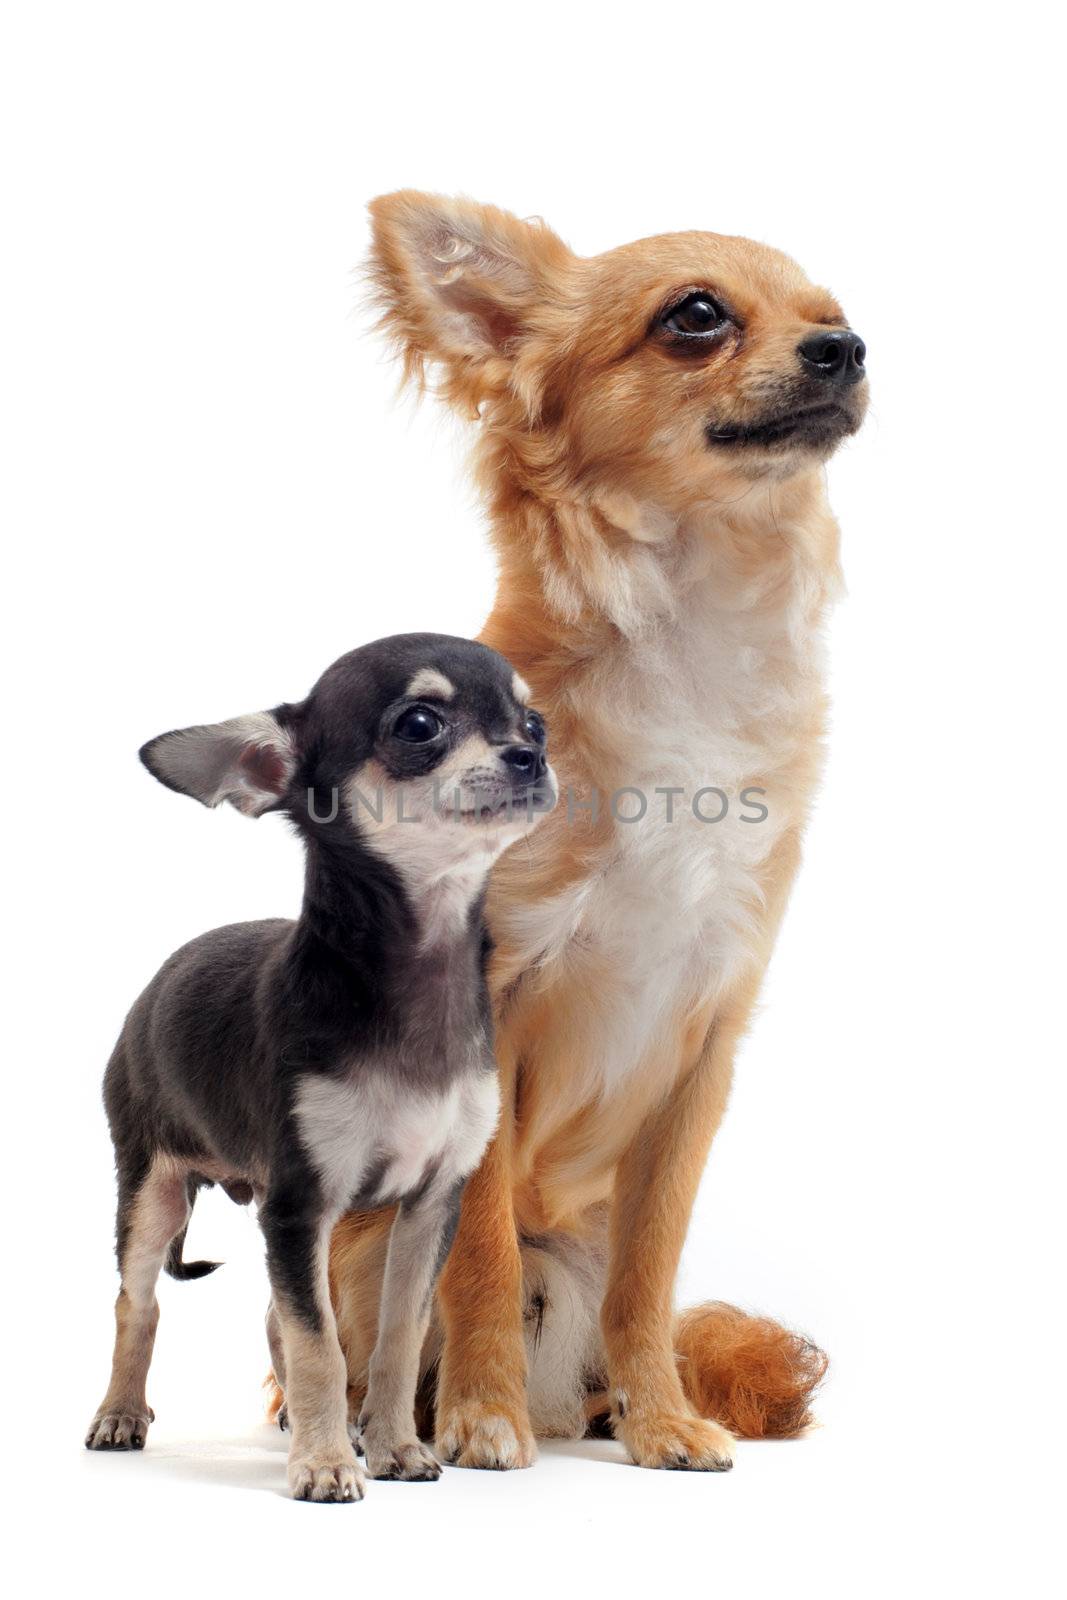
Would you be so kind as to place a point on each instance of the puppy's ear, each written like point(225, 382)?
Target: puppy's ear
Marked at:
point(461, 284)
point(248, 761)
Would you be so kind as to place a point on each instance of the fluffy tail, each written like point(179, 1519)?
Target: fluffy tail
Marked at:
point(749, 1373)
point(174, 1266)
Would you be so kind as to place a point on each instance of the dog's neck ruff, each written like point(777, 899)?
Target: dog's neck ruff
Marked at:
point(611, 562)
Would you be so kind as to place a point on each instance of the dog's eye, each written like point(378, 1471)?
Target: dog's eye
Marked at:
point(695, 315)
point(536, 731)
point(417, 725)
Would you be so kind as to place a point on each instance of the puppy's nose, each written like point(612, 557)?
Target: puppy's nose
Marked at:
point(835, 357)
point(525, 761)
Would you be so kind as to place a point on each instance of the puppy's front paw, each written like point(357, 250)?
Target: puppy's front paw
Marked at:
point(681, 1443)
point(472, 1434)
point(331, 1477)
point(409, 1460)
point(119, 1430)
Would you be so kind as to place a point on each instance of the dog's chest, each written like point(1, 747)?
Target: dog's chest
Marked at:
point(377, 1137)
point(667, 916)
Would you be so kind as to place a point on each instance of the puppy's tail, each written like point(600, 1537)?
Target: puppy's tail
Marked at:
point(174, 1266)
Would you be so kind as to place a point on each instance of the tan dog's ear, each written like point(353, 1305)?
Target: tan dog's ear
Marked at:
point(460, 284)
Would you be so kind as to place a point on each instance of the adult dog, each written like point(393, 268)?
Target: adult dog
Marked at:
point(652, 428)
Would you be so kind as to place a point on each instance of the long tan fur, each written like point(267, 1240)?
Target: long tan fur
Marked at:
point(664, 601)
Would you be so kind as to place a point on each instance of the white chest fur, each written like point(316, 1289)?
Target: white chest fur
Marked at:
point(377, 1127)
point(723, 694)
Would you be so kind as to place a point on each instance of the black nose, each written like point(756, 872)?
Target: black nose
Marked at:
point(525, 761)
point(836, 357)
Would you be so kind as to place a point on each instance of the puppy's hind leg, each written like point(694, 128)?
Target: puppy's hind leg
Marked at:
point(421, 1238)
point(152, 1210)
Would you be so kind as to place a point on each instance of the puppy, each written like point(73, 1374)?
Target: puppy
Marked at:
point(342, 1059)
point(652, 425)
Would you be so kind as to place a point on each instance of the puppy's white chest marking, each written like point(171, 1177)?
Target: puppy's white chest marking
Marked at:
point(377, 1129)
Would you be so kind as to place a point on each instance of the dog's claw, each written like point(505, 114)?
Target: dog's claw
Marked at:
point(119, 1430)
point(409, 1461)
point(333, 1482)
point(475, 1435)
point(676, 1443)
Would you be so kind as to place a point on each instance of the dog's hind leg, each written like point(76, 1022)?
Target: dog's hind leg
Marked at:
point(421, 1238)
point(151, 1212)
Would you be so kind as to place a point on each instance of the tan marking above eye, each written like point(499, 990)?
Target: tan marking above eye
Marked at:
point(520, 689)
point(428, 683)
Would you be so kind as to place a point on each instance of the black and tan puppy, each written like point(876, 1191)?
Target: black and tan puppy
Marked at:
point(342, 1060)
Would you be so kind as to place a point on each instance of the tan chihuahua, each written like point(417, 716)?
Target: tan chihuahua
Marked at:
point(652, 428)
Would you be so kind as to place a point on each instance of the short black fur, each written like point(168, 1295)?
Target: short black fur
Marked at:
point(204, 1077)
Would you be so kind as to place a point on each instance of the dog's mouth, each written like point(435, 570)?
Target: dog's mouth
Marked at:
point(809, 427)
point(501, 803)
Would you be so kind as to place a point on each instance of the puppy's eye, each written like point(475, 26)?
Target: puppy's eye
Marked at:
point(417, 725)
point(536, 731)
point(698, 314)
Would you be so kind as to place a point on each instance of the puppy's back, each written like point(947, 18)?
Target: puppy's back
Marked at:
point(196, 1051)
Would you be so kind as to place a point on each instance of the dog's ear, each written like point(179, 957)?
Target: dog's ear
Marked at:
point(249, 761)
point(461, 284)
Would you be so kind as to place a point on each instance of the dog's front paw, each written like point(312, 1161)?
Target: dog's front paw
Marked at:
point(473, 1434)
point(329, 1476)
point(119, 1430)
point(683, 1443)
point(408, 1459)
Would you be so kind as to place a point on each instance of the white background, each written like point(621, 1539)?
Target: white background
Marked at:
point(212, 493)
